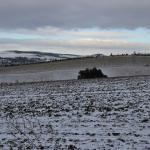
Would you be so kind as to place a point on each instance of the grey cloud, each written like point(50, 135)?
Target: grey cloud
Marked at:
point(74, 13)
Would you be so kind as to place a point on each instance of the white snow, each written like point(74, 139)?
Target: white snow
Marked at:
point(13, 54)
point(88, 114)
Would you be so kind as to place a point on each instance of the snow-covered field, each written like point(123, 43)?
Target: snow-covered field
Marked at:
point(86, 115)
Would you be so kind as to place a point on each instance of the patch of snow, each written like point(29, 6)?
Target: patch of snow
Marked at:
point(87, 114)
point(13, 55)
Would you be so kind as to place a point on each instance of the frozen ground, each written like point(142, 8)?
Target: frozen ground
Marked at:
point(86, 115)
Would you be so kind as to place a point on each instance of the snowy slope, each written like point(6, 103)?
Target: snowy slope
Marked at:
point(9, 58)
point(35, 54)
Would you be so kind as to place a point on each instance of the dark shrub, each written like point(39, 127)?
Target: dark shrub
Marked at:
point(91, 73)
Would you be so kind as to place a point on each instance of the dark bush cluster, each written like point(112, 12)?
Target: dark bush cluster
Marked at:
point(91, 73)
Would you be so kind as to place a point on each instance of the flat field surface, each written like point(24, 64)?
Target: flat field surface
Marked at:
point(115, 66)
point(96, 114)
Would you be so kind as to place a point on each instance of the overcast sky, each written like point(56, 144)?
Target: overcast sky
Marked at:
point(75, 26)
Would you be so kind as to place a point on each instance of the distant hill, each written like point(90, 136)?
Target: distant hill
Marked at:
point(35, 54)
point(16, 57)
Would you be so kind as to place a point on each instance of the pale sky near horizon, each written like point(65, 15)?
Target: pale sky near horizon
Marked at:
point(75, 26)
